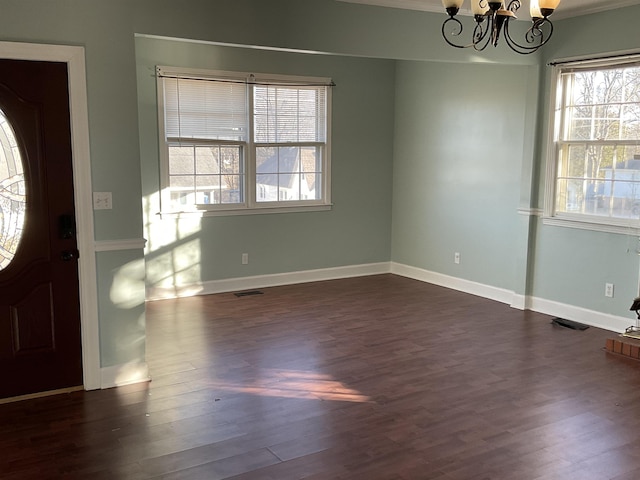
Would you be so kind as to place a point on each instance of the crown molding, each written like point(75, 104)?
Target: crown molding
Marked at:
point(567, 9)
point(406, 4)
point(590, 8)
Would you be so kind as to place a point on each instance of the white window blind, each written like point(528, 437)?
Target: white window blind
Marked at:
point(203, 109)
point(285, 114)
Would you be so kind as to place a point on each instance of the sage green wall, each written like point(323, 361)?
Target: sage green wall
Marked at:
point(317, 25)
point(572, 266)
point(437, 211)
point(358, 228)
point(454, 190)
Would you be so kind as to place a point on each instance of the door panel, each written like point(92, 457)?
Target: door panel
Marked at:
point(40, 342)
point(32, 322)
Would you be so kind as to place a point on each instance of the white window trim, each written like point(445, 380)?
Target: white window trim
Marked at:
point(622, 226)
point(250, 205)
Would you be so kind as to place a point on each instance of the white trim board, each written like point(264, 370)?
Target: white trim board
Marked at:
point(73, 56)
point(263, 281)
point(582, 315)
point(116, 245)
point(521, 302)
point(485, 291)
point(570, 8)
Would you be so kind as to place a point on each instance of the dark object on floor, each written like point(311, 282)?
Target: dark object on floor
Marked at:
point(250, 292)
point(561, 322)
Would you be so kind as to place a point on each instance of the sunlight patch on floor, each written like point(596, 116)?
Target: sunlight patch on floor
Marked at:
point(296, 384)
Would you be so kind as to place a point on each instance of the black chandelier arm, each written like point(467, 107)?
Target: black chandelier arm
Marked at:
point(480, 34)
point(514, 6)
point(456, 31)
point(535, 36)
point(536, 31)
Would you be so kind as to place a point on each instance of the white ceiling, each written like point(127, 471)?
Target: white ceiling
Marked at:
point(567, 8)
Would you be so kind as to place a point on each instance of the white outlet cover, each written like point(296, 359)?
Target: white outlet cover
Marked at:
point(608, 290)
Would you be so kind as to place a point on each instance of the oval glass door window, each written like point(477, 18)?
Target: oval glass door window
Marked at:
point(13, 198)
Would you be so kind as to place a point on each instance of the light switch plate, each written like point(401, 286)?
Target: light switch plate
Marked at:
point(102, 201)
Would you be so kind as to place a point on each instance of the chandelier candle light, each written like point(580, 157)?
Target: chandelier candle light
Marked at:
point(493, 17)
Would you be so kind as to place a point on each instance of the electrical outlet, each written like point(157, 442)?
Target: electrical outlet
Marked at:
point(456, 257)
point(245, 258)
point(608, 290)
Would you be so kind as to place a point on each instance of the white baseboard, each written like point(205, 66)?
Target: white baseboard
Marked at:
point(124, 374)
point(521, 302)
point(581, 315)
point(518, 301)
point(263, 281)
point(485, 291)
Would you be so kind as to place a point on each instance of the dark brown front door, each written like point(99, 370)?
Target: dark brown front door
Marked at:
point(40, 339)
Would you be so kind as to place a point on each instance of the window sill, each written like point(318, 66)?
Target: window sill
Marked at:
point(246, 211)
point(620, 226)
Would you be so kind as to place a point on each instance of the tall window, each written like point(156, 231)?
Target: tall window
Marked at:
point(233, 142)
point(597, 143)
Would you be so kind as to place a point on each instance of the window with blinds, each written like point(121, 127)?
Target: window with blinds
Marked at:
point(232, 141)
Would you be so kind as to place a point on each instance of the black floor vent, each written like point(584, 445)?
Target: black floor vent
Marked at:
point(569, 324)
point(246, 294)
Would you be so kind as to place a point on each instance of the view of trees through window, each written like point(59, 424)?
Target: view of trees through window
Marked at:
point(205, 174)
point(599, 143)
point(289, 133)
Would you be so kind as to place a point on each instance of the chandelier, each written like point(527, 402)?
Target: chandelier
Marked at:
point(491, 18)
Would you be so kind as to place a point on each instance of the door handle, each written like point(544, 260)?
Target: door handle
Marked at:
point(68, 255)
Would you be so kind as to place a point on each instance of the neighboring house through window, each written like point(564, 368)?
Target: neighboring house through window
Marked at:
point(243, 143)
point(593, 179)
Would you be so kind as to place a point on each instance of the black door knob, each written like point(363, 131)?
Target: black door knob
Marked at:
point(68, 255)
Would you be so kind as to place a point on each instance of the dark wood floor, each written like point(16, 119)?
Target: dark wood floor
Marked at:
point(372, 378)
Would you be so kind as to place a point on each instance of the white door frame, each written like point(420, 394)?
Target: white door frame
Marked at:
point(73, 56)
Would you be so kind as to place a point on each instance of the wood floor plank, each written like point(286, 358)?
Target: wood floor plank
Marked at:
point(377, 377)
